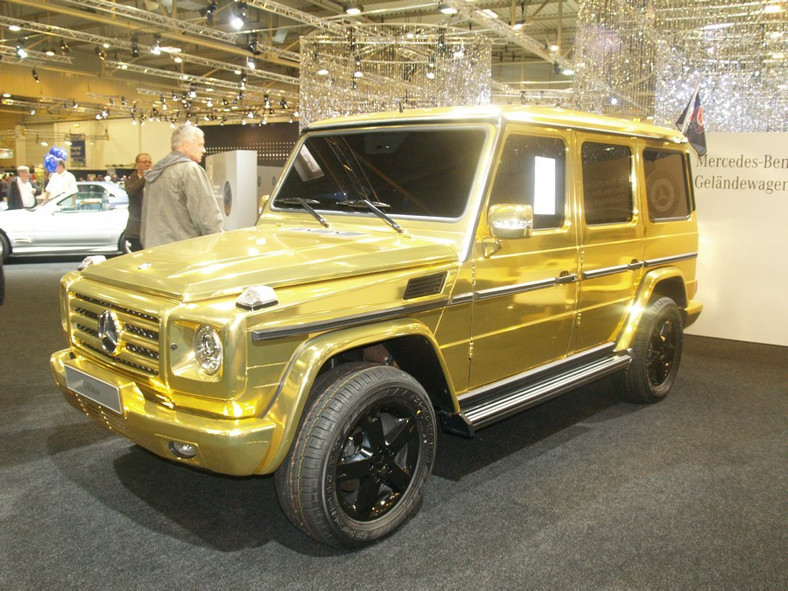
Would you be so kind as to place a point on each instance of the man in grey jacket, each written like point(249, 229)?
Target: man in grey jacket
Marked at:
point(179, 202)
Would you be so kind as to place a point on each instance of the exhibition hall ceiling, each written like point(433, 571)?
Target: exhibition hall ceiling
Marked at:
point(217, 60)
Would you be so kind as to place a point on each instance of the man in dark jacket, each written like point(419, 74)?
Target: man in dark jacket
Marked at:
point(135, 186)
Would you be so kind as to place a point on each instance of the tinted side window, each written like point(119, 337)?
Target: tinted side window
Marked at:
point(607, 183)
point(666, 184)
point(532, 172)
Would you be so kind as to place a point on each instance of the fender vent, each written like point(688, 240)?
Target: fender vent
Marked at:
point(424, 286)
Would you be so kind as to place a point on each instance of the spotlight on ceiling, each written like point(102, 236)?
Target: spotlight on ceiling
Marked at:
point(156, 47)
point(135, 48)
point(353, 9)
point(447, 10)
point(35, 76)
point(64, 48)
point(238, 17)
point(20, 51)
point(101, 53)
point(250, 63)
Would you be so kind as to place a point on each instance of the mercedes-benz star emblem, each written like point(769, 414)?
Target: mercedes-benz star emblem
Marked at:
point(109, 332)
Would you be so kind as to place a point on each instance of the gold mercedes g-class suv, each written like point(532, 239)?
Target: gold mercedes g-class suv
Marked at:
point(451, 266)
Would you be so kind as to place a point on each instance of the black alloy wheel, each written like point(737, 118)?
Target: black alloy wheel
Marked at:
point(656, 353)
point(360, 461)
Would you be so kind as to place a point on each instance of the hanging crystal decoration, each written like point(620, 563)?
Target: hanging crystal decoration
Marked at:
point(392, 67)
point(615, 53)
point(735, 53)
point(644, 58)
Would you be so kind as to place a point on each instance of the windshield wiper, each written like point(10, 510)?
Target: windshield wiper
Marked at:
point(307, 205)
point(367, 204)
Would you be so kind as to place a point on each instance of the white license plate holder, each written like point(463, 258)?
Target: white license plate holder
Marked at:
point(99, 391)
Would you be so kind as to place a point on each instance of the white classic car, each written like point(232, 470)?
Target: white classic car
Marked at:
point(90, 221)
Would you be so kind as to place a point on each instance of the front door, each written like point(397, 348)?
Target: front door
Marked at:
point(525, 293)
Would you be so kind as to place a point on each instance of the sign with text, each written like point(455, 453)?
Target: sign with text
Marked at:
point(77, 150)
point(741, 188)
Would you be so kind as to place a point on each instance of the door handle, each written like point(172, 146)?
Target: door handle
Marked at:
point(565, 277)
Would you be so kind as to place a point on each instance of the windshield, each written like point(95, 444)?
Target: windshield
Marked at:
point(418, 172)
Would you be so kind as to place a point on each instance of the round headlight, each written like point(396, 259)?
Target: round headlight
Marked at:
point(208, 349)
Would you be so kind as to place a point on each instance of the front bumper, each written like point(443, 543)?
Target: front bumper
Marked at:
point(229, 446)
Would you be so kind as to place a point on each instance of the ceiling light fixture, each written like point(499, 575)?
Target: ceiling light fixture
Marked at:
point(238, 17)
point(250, 63)
point(35, 76)
point(64, 48)
point(156, 47)
point(446, 9)
point(20, 51)
point(353, 9)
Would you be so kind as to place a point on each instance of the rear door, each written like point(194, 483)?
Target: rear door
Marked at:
point(611, 252)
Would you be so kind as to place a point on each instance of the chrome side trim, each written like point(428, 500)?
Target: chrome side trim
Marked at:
point(507, 290)
point(605, 271)
point(671, 259)
point(355, 320)
point(463, 298)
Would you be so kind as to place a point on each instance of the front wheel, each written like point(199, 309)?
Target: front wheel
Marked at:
point(656, 353)
point(361, 458)
point(5, 248)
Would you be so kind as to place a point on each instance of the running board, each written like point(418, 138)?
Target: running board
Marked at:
point(501, 403)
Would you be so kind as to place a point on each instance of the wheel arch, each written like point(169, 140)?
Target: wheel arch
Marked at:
point(664, 282)
point(410, 342)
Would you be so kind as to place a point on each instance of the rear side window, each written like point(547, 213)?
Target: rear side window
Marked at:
point(607, 183)
point(532, 171)
point(666, 184)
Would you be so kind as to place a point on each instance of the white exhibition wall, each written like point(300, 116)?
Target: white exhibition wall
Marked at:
point(740, 190)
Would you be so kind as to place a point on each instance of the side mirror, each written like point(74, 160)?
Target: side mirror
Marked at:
point(506, 220)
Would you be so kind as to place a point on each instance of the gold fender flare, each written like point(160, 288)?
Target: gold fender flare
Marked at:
point(650, 285)
point(302, 370)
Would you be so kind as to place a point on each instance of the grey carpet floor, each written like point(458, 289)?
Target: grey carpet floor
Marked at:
point(584, 492)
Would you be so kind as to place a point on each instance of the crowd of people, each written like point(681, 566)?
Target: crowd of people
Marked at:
point(169, 201)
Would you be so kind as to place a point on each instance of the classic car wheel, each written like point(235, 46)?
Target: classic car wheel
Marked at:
point(656, 353)
point(5, 248)
point(362, 456)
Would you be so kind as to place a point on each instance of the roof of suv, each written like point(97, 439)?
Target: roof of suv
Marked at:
point(554, 116)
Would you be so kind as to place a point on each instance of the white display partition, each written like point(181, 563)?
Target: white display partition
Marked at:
point(740, 190)
point(233, 177)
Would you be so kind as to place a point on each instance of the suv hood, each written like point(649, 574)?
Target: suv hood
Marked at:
point(225, 264)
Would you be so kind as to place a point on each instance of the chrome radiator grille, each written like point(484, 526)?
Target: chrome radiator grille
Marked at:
point(139, 334)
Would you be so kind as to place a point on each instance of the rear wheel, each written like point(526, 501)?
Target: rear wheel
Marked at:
point(656, 353)
point(361, 458)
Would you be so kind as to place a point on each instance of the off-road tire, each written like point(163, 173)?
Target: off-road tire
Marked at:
point(656, 354)
point(362, 456)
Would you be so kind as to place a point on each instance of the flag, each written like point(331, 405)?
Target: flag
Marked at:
point(690, 123)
